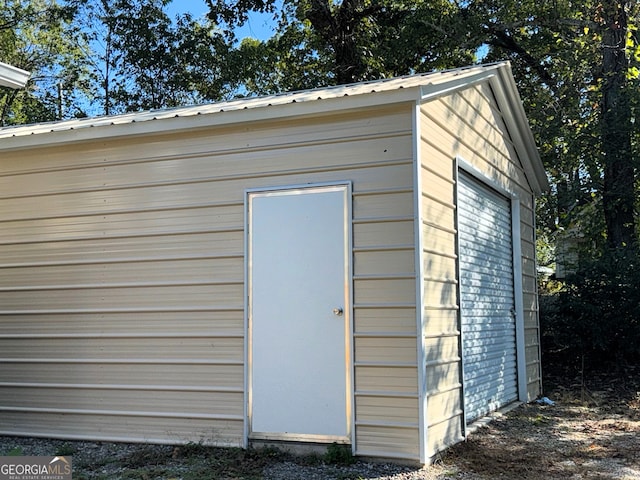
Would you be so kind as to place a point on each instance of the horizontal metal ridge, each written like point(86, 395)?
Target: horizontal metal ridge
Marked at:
point(101, 386)
point(389, 424)
point(394, 219)
point(453, 414)
point(123, 260)
point(119, 361)
point(225, 308)
point(389, 394)
point(27, 336)
point(126, 413)
point(441, 361)
point(386, 364)
point(381, 334)
point(96, 286)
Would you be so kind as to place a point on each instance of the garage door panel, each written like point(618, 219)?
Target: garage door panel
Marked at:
point(487, 342)
point(491, 360)
point(485, 308)
point(492, 256)
point(486, 298)
point(490, 381)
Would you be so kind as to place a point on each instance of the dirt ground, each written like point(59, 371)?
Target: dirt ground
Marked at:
point(592, 432)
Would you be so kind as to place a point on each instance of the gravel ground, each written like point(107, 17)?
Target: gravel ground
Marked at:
point(105, 460)
point(593, 438)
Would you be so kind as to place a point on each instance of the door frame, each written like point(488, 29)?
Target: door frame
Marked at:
point(346, 187)
point(462, 165)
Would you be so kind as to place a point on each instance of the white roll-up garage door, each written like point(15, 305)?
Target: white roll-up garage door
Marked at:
point(486, 298)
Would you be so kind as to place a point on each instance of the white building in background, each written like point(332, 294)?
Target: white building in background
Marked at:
point(13, 77)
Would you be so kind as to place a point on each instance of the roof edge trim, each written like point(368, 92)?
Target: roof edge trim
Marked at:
point(13, 77)
point(519, 124)
point(55, 136)
point(438, 90)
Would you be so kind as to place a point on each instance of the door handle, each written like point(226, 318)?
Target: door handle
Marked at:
point(338, 311)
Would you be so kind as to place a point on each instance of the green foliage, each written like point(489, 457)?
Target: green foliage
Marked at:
point(319, 43)
point(595, 318)
point(576, 97)
point(142, 59)
point(15, 452)
point(66, 449)
point(339, 454)
point(35, 36)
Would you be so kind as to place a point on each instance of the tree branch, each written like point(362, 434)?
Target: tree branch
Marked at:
point(503, 40)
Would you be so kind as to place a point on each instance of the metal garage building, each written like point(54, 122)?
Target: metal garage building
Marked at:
point(351, 264)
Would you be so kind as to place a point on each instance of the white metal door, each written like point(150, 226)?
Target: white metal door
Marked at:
point(487, 305)
point(299, 322)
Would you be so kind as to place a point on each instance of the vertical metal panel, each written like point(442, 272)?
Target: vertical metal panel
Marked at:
point(420, 283)
point(487, 306)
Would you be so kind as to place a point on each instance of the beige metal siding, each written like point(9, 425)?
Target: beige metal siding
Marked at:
point(385, 338)
point(441, 335)
point(122, 278)
point(468, 124)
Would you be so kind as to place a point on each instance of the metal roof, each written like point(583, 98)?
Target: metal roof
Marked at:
point(313, 95)
point(412, 88)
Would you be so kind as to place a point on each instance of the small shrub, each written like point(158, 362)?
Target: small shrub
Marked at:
point(15, 452)
point(339, 455)
point(312, 459)
point(193, 449)
point(65, 449)
point(593, 323)
point(146, 455)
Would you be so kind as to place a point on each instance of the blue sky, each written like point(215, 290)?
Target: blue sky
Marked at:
point(259, 26)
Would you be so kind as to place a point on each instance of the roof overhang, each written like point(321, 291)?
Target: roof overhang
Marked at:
point(510, 103)
point(331, 100)
point(13, 77)
point(500, 77)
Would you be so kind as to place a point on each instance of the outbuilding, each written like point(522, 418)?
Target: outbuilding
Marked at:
point(353, 264)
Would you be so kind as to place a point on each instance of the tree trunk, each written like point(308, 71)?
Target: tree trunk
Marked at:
point(349, 66)
point(338, 30)
point(619, 173)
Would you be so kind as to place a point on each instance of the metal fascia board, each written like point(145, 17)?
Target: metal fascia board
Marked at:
point(456, 83)
point(518, 298)
point(505, 89)
point(58, 135)
point(509, 101)
point(456, 218)
point(13, 77)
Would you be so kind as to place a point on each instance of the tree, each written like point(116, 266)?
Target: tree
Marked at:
point(95, 25)
point(572, 63)
point(34, 35)
point(618, 193)
point(145, 60)
point(573, 67)
point(147, 50)
point(323, 42)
